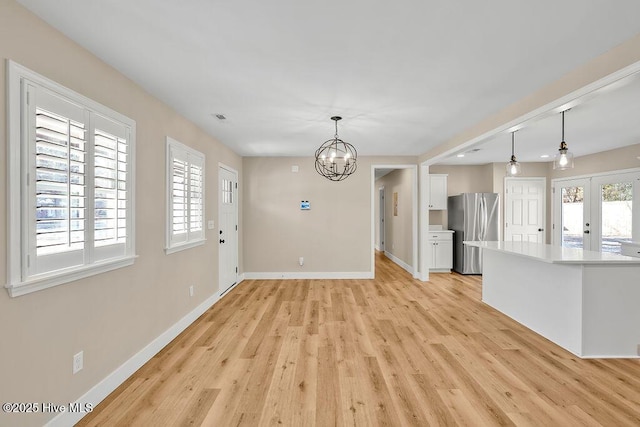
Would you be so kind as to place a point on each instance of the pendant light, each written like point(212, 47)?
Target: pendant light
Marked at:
point(336, 159)
point(513, 167)
point(564, 159)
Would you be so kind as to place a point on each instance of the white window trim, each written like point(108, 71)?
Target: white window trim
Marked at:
point(16, 284)
point(191, 242)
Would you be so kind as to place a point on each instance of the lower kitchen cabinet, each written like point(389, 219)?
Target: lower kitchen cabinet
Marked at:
point(441, 245)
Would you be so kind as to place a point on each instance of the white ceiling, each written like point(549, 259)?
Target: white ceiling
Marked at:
point(406, 76)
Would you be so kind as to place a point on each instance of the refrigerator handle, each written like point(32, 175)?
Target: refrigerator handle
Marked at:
point(481, 218)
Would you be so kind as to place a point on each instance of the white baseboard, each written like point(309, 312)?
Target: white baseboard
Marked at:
point(308, 275)
point(117, 377)
point(398, 261)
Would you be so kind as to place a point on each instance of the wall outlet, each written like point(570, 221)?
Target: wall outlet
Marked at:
point(301, 261)
point(78, 362)
point(191, 290)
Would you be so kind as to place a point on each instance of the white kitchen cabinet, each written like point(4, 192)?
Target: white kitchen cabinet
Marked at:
point(437, 192)
point(441, 246)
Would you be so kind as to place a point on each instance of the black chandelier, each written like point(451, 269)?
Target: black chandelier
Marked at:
point(336, 159)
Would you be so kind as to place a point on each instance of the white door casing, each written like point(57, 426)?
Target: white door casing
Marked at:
point(228, 227)
point(525, 209)
point(381, 226)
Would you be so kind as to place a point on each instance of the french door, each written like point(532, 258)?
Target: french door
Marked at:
point(597, 213)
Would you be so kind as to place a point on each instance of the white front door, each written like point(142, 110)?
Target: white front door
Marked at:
point(228, 227)
point(525, 209)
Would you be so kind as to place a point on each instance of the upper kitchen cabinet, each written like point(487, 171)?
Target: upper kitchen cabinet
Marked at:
point(437, 192)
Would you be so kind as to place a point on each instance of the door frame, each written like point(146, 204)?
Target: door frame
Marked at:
point(414, 208)
point(236, 191)
point(543, 180)
point(381, 218)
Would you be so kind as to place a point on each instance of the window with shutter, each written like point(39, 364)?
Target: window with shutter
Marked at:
point(185, 197)
point(70, 180)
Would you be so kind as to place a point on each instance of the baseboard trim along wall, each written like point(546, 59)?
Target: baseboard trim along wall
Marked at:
point(309, 275)
point(120, 375)
point(401, 263)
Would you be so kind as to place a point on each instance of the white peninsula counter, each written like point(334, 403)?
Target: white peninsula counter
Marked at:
point(586, 302)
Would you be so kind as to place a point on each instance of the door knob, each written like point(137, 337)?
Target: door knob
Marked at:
point(221, 241)
point(540, 229)
point(586, 231)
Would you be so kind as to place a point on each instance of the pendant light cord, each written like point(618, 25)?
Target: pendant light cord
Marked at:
point(512, 138)
point(563, 126)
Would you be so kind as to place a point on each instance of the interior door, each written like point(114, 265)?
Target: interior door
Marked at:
point(525, 209)
point(228, 230)
point(572, 216)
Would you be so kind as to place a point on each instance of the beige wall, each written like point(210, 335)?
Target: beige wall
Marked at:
point(398, 229)
point(111, 316)
point(333, 236)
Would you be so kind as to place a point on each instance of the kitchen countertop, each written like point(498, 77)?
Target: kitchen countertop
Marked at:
point(555, 254)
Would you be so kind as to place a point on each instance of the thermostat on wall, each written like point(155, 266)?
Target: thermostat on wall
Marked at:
point(305, 205)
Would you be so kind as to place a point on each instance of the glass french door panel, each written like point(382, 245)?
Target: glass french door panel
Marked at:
point(572, 216)
point(616, 218)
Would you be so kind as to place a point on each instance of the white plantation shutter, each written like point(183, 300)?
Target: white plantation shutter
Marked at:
point(179, 208)
point(110, 219)
point(185, 185)
point(57, 184)
point(196, 196)
point(70, 193)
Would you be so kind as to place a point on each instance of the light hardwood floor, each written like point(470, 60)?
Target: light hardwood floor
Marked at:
point(390, 351)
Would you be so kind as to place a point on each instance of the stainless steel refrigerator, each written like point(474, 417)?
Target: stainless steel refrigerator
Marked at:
point(473, 216)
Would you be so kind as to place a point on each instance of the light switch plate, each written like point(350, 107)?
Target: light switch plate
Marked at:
point(210, 224)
